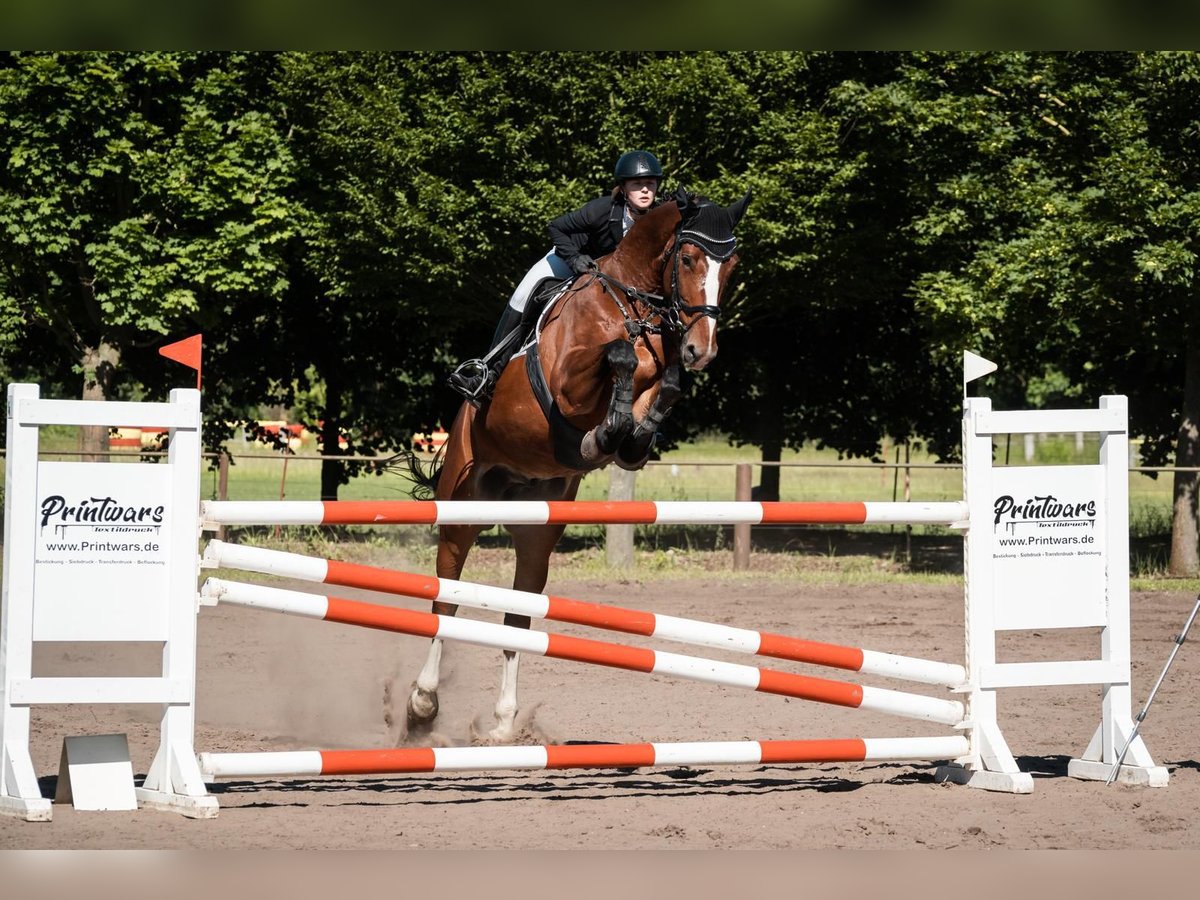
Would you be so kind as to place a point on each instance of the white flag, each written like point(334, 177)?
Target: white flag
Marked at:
point(975, 367)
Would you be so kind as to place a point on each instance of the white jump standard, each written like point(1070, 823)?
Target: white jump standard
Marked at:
point(145, 594)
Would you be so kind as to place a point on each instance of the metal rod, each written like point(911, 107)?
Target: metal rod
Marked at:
point(1179, 639)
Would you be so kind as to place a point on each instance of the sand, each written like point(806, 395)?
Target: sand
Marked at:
point(268, 681)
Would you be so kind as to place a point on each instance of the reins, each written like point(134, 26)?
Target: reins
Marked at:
point(636, 325)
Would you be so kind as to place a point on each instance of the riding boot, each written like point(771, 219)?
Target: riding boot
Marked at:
point(475, 378)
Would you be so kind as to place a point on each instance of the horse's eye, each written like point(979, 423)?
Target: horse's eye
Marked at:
point(687, 261)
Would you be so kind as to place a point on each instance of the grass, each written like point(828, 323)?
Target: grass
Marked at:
point(492, 562)
point(847, 561)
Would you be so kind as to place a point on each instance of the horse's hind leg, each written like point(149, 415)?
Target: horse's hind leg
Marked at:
point(635, 449)
point(601, 442)
point(454, 543)
point(534, 544)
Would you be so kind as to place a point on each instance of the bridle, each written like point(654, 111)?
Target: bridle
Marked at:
point(663, 314)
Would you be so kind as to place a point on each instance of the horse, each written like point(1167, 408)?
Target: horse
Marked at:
point(592, 387)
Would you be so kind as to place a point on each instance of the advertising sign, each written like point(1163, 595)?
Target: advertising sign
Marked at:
point(102, 552)
point(1048, 533)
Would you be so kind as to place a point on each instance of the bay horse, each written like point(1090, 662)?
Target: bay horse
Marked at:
point(592, 387)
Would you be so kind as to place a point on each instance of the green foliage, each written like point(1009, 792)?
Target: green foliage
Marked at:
point(140, 194)
point(344, 226)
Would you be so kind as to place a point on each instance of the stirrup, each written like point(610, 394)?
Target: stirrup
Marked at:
point(473, 380)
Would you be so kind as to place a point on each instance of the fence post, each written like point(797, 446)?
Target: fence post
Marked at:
point(618, 539)
point(741, 533)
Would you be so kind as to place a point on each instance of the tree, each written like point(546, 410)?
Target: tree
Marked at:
point(1131, 246)
point(1090, 172)
point(141, 193)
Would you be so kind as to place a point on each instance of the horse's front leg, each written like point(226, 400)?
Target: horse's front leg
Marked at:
point(533, 544)
point(423, 701)
point(601, 442)
point(454, 543)
point(635, 449)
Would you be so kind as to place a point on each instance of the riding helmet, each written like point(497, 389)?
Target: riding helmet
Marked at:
point(637, 164)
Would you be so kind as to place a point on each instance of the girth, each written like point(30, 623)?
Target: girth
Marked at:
point(565, 436)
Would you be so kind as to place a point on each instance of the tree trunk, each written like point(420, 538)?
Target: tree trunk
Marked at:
point(1185, 560)
point(331, 469)
point(768, 483)
point(99, 365)
point(771, 436)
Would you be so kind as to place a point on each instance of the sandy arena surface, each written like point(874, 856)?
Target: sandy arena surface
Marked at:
point(273, 682)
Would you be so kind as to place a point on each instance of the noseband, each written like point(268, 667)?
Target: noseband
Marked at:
point(677, 306)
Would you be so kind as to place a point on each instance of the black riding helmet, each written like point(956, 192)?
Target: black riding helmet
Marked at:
point(637, 164)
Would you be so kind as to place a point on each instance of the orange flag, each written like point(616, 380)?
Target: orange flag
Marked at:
point(188, 351)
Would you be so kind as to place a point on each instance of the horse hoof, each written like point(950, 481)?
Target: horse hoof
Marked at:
point(422, 708)
point(500, 735)
point(505, 730)
point(632, 466)
point(589, 449)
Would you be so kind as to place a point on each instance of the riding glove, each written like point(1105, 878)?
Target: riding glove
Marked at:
point(582, 264)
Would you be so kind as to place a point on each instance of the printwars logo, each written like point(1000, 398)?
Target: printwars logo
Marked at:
point(1043, 511)
point(99, 513)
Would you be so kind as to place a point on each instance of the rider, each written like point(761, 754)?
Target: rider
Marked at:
point(593, 230)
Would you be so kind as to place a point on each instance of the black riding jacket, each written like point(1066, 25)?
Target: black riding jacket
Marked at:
point(595, 228)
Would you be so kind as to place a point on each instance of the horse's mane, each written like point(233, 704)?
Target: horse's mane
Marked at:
point(645, 241)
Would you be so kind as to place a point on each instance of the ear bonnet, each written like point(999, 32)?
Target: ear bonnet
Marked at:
point(709, 226)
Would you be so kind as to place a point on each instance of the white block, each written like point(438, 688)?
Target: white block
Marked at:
point(95, 773)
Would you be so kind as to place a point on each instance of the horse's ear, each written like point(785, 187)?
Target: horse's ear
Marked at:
point(682, 198)
point(738, 209)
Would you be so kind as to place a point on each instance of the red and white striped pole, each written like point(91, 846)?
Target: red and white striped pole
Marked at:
point(578, 612)
point(577, 756)
point(558, 646)
point(215, 513)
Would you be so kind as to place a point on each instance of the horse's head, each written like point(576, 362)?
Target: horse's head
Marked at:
point(704, 255)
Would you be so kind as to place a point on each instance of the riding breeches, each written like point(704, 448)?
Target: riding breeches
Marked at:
point(549, 266)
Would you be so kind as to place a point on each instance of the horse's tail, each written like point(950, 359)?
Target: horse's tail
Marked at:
point(422, 474)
